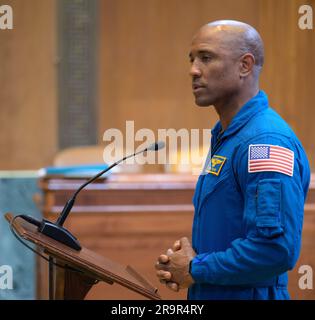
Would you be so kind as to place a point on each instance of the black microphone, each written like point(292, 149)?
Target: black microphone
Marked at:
point(153, 147)
point(56, 230)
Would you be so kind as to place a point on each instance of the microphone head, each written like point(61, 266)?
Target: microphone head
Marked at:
point(156, 146)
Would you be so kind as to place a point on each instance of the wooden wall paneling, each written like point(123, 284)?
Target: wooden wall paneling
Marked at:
point(305, 87)
point(28, 87)
point(144, 69)
point(307, 257)
point(144, 61)
point(289, 72)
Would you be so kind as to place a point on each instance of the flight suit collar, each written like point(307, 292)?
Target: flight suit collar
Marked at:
point(248, 110)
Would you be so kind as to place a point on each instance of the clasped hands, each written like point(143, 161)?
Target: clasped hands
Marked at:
point(173, 267)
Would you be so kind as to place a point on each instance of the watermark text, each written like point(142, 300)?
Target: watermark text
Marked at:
point(184, 147)
point(6, 17)
point(306, 17)
point(6, 277)
point(306, 280)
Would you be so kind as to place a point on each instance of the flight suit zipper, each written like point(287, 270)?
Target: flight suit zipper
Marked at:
point(215, 148)
point(217, 144)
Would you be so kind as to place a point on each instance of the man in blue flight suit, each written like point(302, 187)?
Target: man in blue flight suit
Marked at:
point(249, 200)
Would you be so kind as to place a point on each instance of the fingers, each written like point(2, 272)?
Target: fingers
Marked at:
point(184, 242)
point(163, 258)
point(163, 275)
point(176, 245)
point(173, 286)
point(161, 266)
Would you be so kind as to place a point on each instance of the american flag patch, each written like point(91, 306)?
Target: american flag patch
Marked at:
point(266, 157)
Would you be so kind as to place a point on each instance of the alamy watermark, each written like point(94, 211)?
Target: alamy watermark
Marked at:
point(184, 147)
point(306, 280)
point(6, 277)
point(6, 17)
point(306, 19)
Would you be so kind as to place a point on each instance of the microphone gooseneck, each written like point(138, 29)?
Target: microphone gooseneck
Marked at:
point(56, 230)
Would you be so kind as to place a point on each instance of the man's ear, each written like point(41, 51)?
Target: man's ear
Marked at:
point(247, 63)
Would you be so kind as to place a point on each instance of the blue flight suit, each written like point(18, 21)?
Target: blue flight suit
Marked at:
point(247, 225)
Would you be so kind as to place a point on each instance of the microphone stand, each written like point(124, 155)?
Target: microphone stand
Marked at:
point(56, 230)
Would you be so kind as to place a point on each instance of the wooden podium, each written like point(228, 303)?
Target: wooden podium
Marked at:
point(130, 218)
point(78, 271)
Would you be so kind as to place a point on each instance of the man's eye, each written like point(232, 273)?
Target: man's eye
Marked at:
point(205, 59)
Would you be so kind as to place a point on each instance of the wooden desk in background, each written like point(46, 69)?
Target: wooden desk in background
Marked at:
point(132, 218)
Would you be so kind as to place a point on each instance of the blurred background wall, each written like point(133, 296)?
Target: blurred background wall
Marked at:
point(71, 69)
point(28, 112)
point(136, 68)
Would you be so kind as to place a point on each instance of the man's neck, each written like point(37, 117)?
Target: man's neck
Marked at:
point(228, 109)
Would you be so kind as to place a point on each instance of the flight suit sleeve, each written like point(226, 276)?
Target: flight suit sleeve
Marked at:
point(272, 220)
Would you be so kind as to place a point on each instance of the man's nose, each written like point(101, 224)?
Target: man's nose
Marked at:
point(194, 70)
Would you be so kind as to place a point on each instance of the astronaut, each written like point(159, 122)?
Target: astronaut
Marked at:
point(249, 199)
